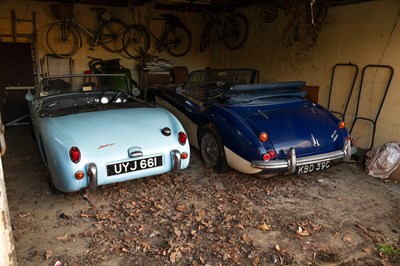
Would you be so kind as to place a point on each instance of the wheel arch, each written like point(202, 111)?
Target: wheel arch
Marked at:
point(42, 150)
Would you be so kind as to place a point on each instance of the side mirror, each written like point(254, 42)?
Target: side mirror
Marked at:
point(29, 96)
point(135, 92)
point(179, 90)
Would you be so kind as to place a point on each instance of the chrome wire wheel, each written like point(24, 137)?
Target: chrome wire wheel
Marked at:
point(209, 149)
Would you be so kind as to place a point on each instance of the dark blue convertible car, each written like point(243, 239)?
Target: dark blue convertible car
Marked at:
point(255, 128)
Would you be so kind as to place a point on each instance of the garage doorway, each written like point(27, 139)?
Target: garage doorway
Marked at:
point(16, 78)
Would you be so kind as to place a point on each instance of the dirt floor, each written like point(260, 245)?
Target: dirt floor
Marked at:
point(337, 217)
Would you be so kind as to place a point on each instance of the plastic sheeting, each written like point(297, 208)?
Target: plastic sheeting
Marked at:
point(383, 161)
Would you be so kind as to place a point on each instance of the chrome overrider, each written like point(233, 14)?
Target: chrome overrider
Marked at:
point(290, 164)
point(176, 160)
point(92, 169)
point(92, 174)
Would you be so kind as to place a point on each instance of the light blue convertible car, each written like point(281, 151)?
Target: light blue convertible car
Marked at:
point(92, 130)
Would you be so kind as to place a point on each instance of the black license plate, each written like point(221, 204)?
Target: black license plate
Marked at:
point(308, 168)
point(135, 165)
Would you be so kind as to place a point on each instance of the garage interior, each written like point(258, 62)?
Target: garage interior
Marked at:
point(345, 50)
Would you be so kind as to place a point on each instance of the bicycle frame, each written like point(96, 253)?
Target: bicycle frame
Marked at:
point(92, 35)
point(217, 24)
point(160, 42)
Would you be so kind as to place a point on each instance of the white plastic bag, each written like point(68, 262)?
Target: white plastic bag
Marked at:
point(382, 161)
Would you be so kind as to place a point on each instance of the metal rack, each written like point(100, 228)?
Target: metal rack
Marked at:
point(350, 66)
point(372, 119)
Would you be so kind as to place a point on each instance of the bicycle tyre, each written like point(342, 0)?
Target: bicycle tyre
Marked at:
point(178, 40)
point(60, 45)
point(205, 37)
point(136, 41)
point(235, 31)
point(111, 34)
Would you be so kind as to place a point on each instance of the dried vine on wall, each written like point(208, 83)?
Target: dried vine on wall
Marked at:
point(303, 23)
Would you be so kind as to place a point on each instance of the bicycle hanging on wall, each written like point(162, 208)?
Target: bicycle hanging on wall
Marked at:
point(64, 39)
point(175, 38)
point(231, 31)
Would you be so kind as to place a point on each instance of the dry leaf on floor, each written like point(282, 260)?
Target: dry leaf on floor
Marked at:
point(63, 238)
point(264, 227)
point(302, 232)
point(246, 238)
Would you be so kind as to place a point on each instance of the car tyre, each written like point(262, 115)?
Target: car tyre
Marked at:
point(211, 148)
point(52, 188)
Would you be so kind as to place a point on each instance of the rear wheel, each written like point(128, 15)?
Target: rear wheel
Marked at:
point(111, 35)
point(212, 149)
point(178, 40)
point(52, 188)
point(136, 41)
point(235, 31)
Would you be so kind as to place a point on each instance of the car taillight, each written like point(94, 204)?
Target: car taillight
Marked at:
point(75, 154)
point(263, 136)
point(182, 138)
point(79, 175)
point(341, 124)
point(184, 155)
point(270, 155)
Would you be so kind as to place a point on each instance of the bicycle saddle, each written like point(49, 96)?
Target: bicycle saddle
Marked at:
point(98, 10)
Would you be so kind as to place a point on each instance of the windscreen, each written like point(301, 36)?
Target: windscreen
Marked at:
point(58, 85)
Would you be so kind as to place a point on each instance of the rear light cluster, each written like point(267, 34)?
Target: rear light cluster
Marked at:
point(182, 138)
point(270, 155)
point(353, 141)
point(75, 154)
point(263, 136)
point(79, 175)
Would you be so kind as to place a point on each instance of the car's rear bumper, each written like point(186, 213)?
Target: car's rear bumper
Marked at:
point(92, 171)
point(292, 162)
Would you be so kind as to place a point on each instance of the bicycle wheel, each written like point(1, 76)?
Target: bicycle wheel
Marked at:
point(235, 30)
point(63, 39)
point(178, 40)
point(136, 41)
point(111, 34)
point(205, 37)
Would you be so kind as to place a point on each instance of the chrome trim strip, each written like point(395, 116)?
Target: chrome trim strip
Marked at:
point(176, 160)
point(92, 174)
point(134, 152)
point(292, 162)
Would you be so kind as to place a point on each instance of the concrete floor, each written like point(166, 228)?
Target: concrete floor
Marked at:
point(333, 204)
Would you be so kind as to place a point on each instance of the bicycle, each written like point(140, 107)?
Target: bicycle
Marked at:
point(232, 31)
point(175, 38)
point(64, 39)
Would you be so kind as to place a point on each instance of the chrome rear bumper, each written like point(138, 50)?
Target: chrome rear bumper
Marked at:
point(290, 164)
